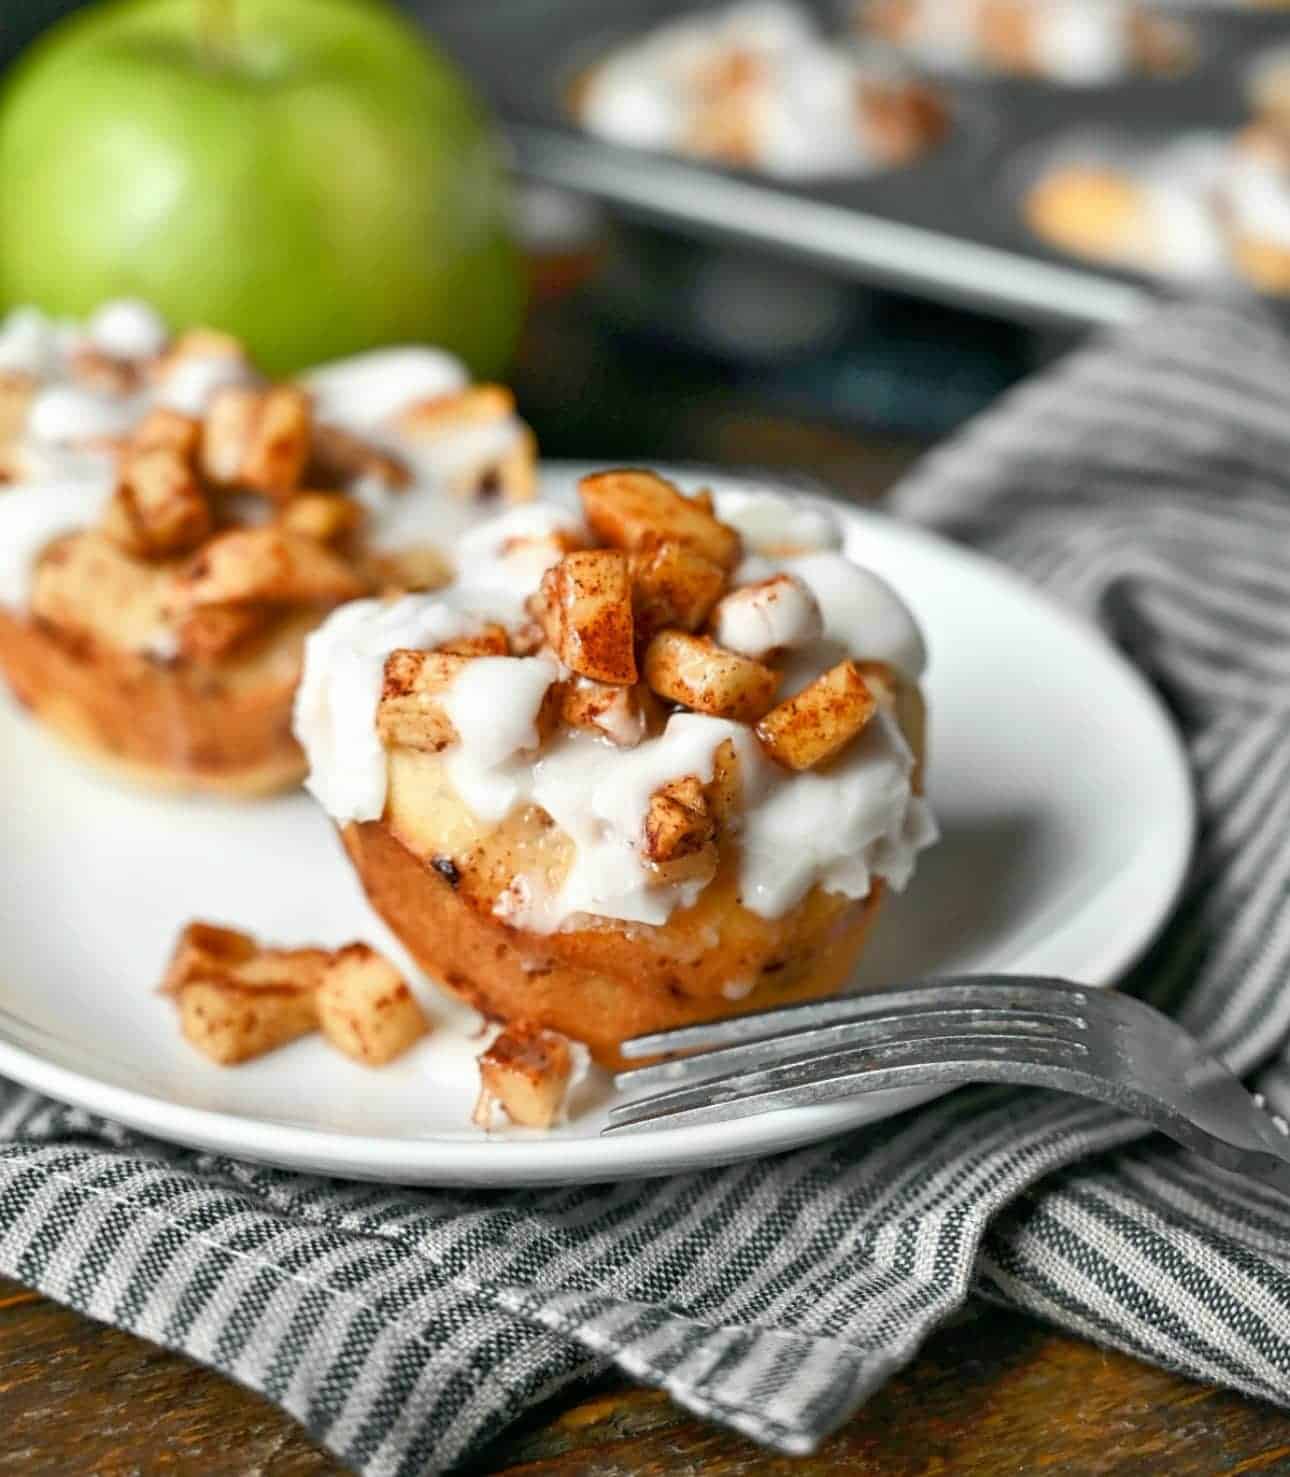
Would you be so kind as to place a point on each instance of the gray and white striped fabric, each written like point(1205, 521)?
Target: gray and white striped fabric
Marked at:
point(1145, 480)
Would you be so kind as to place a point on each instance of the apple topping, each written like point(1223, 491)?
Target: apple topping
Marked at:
point(697, 673)
point(483, 418)
point(238, 999)
point(163, 427)
point(526, 1073)
point(257, 439)
point(441, 415)
point(337, 457)
point(410, 714)
point(820, 721)
point(725, 791)
point(97, 370)
point(637, 510)
point(158, 507)
point(86, 584)
point(204, 344)
point(266, 565)
point(672, 586)
point(412, 568)
point(17, 391)
point(585, 607)
point(679, 821)
point(212, 632)
point(365, 1007)
point(623, 715)
point(489, 640)
point(327, 517)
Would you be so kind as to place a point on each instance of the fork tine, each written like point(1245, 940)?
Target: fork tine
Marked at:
point(824, 1078)
point(995, 992)
point(900, 1021)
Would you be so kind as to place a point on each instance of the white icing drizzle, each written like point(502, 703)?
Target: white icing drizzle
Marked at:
point(839, 828)
point(127, 329)
point(31, 343)
point(68, 422)
point(771, 523)
point(364, 390)
point(1258, 195)
point(457, 452)
point(599, 796)
point(505, 558)
point(801, 102)
point(1083, 42)
point(493, 705)
point(32, 516)
point(1078, 42)
point(862, 615)
point(774, 614)
point(64, 415)
point(335, 707)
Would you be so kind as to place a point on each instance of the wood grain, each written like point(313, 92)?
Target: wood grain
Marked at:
point(993, 1395)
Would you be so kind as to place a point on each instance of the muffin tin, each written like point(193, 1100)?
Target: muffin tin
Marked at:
point(948, 226)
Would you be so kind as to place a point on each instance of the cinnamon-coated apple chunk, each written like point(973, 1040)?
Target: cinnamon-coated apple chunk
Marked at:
point(638, 510)
point(819, 721)
point(365, 1007)
point(526, 1073)
point(699, 674)
point(585, 607)
point(237, 1001)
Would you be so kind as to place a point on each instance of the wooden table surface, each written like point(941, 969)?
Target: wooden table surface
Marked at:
point(994, 1394)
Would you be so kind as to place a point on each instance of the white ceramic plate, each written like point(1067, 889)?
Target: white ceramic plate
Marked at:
point(1057, 779)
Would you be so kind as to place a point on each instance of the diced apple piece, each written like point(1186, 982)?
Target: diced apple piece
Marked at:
point(698, 674)
point(366, 1009)
point(490, 640)
point(87, 583)
point(821, 720)
point(413, 567)
point(409, 714)
point(158, 508)
point(512, 475)
point(623, 715)
point(441, 415)
point(678, 822)
point(202, 948)
point(169, 428)
point(637, 509)
point(269, 565)
point(585, 607)
point(526, 1072)
point(214, 631)
point(236, 1000)
point(673, 586)
point(231, 1023)
point(337, 458)
point(257, 439)
point(327, 517)
point(725, 790)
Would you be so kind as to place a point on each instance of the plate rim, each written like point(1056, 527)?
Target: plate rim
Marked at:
point(534, 1161)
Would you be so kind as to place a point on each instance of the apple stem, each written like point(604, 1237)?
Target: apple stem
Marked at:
point(216, 29)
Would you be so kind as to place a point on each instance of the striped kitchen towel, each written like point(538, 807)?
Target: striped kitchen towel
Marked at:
point(1144, 480)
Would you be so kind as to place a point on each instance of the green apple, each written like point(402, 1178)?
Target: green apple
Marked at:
point(307, 174)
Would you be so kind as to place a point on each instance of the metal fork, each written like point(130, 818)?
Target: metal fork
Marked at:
point(979, 1028)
